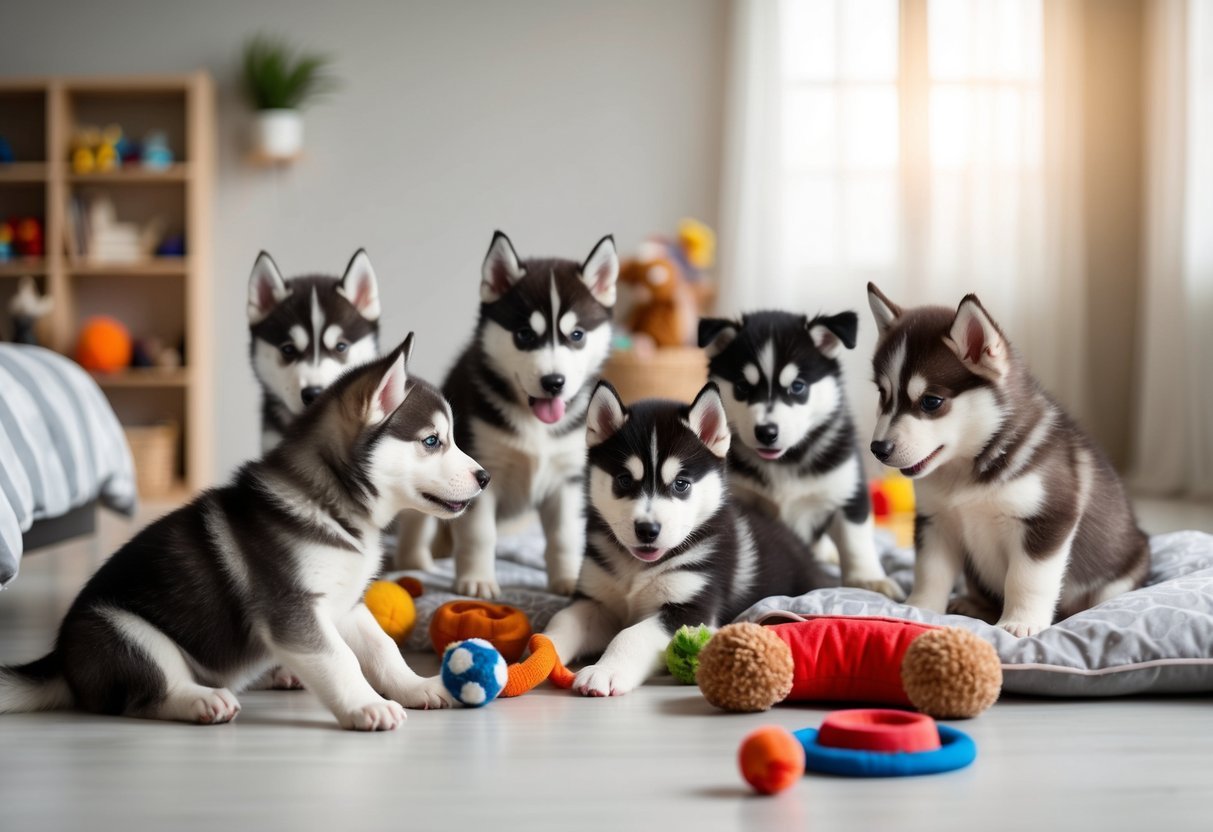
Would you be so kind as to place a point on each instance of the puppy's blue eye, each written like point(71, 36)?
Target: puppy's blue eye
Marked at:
point(576, 335)
point(798, 387)
point(624, 481)
point(289, 352)
point(682, 485)
point(341, 346)
point(931, 403)
point(524, 337)
point(431, 441)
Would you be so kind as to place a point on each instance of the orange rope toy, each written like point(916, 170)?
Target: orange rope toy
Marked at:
point(543, 663)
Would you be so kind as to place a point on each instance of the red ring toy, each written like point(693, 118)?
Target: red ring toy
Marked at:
point(879, 729)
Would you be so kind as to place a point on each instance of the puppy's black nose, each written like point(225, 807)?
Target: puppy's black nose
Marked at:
point(766, 434)
point(647, 532)
point(309, 394)
point(552, 384)
point(882, 450)
point(482, 478)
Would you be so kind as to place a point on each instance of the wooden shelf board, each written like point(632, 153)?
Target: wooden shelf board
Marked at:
point(178, 172)
point(156, 267)
point(22, 266)
point(139, 377)
point(33, 172)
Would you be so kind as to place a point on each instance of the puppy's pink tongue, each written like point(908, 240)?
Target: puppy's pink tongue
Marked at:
point(549, 411)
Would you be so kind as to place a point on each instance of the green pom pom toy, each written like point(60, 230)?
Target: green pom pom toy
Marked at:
point(682, 655)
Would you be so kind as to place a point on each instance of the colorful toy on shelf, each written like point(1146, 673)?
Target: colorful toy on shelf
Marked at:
point(26, 307)
point(111, 241)
point(7, 157)
point(104, 346)
point(506, 628)
point(96, 150)
point(393, 608)
point(473, 671)
point(27, 237)
point(6, 241)
point(945, 672)
point(155, 153)
point(892, 495)
point(662, 288)
point(854, 743)
point(172, 245)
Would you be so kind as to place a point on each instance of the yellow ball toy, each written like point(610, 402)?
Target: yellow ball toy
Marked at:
point(392, 607)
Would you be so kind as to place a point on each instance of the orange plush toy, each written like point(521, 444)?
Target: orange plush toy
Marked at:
point(506, 628)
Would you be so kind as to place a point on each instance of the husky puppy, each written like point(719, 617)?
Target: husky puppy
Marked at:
point(666, 545)
point(795, 454)
point(268, 570)
point(305, 332)
point(1010, 490)
point(519, 392)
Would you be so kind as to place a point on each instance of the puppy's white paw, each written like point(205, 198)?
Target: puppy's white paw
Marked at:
point(601, 680)
point(478, 587)
point(384, 715)
point(885, 586)
point(281, 678)
point(425, 694)
point(216, 707)
point(1023, 629)
point(562, 586)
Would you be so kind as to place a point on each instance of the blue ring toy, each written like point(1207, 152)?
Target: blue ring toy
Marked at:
point(956, 750)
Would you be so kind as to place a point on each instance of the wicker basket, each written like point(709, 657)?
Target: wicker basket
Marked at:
point(668, 373)
point(154, 449)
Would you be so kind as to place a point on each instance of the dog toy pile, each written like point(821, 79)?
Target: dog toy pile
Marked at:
point(945, 672)
point(854, 743)
point(473, 672)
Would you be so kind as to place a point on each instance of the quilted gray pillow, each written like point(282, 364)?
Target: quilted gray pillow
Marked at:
point(1157, 639)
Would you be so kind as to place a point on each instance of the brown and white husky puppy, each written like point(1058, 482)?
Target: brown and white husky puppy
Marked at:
point(519, 392)
point(1010, 491)
point(268, 570)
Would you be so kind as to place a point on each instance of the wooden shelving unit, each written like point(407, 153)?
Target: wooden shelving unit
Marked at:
point(165, 297)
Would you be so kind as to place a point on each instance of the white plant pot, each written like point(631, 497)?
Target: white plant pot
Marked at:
point(278, 134)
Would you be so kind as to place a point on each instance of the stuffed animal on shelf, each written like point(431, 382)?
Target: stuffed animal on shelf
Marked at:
point(6, 241)
point(945, 672)
point(27, 237)
point(26, 307)
point(155, 153)
point(662, 288)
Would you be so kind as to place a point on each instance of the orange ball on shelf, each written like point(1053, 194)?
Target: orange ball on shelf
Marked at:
point(104, 346)
point(771, 759)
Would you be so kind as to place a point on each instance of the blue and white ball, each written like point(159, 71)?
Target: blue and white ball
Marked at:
point(473, 671)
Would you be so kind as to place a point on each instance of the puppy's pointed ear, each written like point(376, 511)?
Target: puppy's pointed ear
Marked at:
point(832, 333)
point(406, 347)
point(715, 334)
point(883, 310)
point(500, 270)
point(392, 388)
point(707, 418)
point(978, 342)
point(600, 271)
point(359, 286)
point(266, 288)
point(605, 416)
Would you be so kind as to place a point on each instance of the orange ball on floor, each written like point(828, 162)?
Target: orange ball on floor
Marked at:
point(771, 759)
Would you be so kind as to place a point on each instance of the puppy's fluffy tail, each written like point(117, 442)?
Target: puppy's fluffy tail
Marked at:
point(37, 686)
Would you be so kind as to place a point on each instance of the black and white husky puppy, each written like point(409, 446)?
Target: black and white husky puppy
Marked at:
point(305, 332)
point(519, 392)
point(1009, 489)
point(268, 570)
point(666, 544)
point(796, 453)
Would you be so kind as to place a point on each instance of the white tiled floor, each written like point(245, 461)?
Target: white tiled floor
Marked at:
point(659, 758)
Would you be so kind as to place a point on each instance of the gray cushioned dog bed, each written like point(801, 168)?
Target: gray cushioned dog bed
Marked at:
point(1158, 639)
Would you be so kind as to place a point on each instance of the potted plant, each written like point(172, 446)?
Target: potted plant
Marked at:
point(280, 81)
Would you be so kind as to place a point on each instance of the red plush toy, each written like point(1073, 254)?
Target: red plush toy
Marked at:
point(945, 672)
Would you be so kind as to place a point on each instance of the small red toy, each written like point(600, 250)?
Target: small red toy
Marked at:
point(27, 239)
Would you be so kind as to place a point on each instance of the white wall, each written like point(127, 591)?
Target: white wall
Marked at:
point(555, 120)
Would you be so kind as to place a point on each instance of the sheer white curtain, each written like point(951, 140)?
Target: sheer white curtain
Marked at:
point(1173, 452)
point(932, 146)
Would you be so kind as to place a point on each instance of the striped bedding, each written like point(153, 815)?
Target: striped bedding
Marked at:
point(60, 446)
